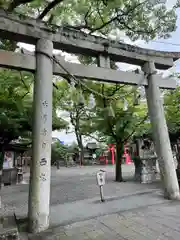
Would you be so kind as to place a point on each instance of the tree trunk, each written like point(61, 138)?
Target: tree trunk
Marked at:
point(138, 168)
point(119, 154)
point(82, 155)
point(1, 167)
point(80, 145)
point(137, 162)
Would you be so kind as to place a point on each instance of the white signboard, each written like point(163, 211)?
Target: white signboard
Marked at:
point(101, 178)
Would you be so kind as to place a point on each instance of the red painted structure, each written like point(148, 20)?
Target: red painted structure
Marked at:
point(127, 155)
point(111, 147)
point(103, 159)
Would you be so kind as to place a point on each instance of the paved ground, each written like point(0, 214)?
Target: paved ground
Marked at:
point(131, 211)
point(73, 186)
point(157, 222)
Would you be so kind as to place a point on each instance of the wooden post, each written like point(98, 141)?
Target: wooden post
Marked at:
point(160, 134)
point(39, 191)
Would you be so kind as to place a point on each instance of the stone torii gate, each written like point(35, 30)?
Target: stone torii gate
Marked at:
point(30, 31)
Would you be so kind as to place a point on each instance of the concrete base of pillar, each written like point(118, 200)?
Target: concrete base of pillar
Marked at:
point(42, 221)
point(173, 196)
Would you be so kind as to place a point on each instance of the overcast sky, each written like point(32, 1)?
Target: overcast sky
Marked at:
point(171, 44)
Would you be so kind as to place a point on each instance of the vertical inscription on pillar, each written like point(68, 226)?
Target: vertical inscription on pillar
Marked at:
point(45, 103)
point(43, 177)
point(44, 145)
point(43, 161)
point(44, 132)
point(44, 117)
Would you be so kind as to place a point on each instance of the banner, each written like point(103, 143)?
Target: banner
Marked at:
point(8, 160)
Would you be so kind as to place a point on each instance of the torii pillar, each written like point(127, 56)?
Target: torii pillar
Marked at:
point(160, 134)
point(39, 191)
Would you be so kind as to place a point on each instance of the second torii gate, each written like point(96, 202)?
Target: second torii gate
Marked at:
point(35, 32)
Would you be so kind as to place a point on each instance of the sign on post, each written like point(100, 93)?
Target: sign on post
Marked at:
point(101, 182)
point(101, 178)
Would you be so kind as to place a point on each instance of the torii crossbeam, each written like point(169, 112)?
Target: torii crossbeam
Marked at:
point(28, 30)
point(27, 62)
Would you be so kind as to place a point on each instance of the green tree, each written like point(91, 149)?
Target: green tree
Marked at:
point(16, 107)
point(16, 96)
point(172, 110)
point(137, 18)
point(106, 121)
point(74, 104)
point(112, 121)
point(59, 151)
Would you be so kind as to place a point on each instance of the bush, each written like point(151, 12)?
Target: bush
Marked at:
point(59, 152)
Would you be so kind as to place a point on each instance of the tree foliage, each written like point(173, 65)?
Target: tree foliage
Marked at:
point(143, 19)
point(70, 102)
point(110, 118)
point(106, 120)
point(137, 19)
point(16, 106)
point(59, 151)
point(172, 110)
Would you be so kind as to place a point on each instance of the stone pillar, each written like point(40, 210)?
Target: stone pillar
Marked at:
point(104, 61)
point(160, 134)
point(39, 191)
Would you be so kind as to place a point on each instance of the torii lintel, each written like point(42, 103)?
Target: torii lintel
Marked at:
point(28, 30)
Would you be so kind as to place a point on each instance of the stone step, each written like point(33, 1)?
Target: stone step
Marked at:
point(8, 228)
point(56, 233)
